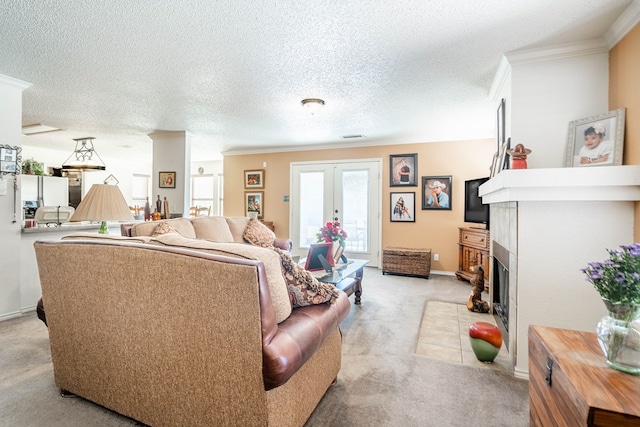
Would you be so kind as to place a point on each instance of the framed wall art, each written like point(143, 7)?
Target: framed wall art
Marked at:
point(167, 179)
point(403, 170)
point(254, 204)
point(500, 126)
point(436, 192)
point(403, 207)
point(494, 165)
point(10, 160)
point(254, 179)
point(596, 140)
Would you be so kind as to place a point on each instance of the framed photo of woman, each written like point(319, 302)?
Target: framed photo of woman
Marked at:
point(403, 207)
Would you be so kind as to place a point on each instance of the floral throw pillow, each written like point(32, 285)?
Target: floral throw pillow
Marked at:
point(258, 234)
point(163, 228)
point(304, 289)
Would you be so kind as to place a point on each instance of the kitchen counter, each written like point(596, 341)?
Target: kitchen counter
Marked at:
point(71, 227)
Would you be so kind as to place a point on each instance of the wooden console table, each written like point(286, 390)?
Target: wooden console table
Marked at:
point(570, 383)
point(473, 246)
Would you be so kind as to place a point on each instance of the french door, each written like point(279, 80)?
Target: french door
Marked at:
point(346, 191)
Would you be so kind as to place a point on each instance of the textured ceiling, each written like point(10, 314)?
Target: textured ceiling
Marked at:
point(233, 73)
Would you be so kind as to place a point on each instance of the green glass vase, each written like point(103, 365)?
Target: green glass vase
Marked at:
point(619, 336)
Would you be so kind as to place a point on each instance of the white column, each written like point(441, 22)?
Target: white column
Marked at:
point(172, 153)
point(11, 301)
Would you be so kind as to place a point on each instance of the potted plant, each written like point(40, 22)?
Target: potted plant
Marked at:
point(32, 167)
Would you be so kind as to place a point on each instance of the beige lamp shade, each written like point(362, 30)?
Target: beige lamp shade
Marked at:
point(103, 202)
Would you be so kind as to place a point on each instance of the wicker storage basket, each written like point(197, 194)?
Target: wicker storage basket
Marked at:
point(410, 262)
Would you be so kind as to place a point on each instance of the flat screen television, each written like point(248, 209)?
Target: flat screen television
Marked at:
point(474, 210)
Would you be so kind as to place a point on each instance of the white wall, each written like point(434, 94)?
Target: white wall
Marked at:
point(10, 210)
point(172, 153)
point(547, 95)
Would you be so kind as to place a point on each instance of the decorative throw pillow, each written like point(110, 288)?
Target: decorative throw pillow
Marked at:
point(258, 234)
point(163, 228)
point(304, 289)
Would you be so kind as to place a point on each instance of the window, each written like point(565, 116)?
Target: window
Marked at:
point(140, 189)
point(202, 191)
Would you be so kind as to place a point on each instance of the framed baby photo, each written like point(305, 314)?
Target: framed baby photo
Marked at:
point(403, 207)
point(254, 179)
point(436, 192)
point(403, 170)
point(596, 140)
point(253, 204)
point(167, 179)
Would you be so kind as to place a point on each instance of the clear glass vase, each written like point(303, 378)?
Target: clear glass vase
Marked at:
point(619, 336)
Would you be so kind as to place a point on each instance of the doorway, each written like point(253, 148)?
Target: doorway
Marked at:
point(347, 191)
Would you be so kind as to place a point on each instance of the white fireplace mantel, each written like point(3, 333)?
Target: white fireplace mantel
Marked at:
point(596, 183)
point(552, 223)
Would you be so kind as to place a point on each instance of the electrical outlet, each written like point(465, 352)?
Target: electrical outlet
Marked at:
point(436, 257)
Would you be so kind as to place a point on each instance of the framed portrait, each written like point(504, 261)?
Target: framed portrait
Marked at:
point(314, 261)
point(254, 204)
point(9, 160)
point(403, 207)
point(436, 192)
point(494, 165)
point(506, 156)
point(167, 179)
point(403, 169)
point(254, 179)
point(596, 140)
point(502, 153)
point(500, 126)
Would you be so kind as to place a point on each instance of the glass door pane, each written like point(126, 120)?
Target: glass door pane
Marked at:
point(311, 207)
point(355, 204)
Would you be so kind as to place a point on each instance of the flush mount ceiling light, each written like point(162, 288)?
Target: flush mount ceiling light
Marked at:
point(312, 105)
point(84, 157)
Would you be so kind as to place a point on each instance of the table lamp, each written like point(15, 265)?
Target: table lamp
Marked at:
point(103, 203)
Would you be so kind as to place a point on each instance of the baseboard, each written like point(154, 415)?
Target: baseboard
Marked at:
point(443, 273)
point(12, 315)
point(15, 314)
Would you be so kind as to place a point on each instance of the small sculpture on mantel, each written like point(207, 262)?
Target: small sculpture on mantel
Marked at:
point(519, 156)
point(475, 302)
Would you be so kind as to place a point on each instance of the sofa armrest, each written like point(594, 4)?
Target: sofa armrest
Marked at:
point(284, 244)
point(298, 337)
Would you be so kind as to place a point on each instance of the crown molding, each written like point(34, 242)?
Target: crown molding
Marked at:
point(500, 78)
point(10, 81)
point(560, 51)
point(625, 22)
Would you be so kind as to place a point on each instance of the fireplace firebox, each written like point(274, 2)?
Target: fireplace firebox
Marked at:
point(500, 287)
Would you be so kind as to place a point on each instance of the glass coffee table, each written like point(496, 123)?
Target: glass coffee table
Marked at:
point(346, 277)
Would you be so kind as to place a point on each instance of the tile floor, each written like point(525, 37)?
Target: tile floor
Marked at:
point(444, 335)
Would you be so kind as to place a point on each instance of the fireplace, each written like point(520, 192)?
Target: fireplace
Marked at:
point(500, 287)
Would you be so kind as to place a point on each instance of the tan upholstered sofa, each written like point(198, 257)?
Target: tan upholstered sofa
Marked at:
point(177, 336)
point(213, 228)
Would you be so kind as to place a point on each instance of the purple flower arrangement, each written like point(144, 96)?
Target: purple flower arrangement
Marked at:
point(617, 279)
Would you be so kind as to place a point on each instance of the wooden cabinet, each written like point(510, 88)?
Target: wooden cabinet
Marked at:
point(473, 250)
point(570, 383)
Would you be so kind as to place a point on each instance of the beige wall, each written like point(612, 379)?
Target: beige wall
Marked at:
point(437, 230)
point(624, 87)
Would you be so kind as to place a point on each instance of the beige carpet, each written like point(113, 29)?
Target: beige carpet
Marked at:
point(444, 335)
point(383, 382)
